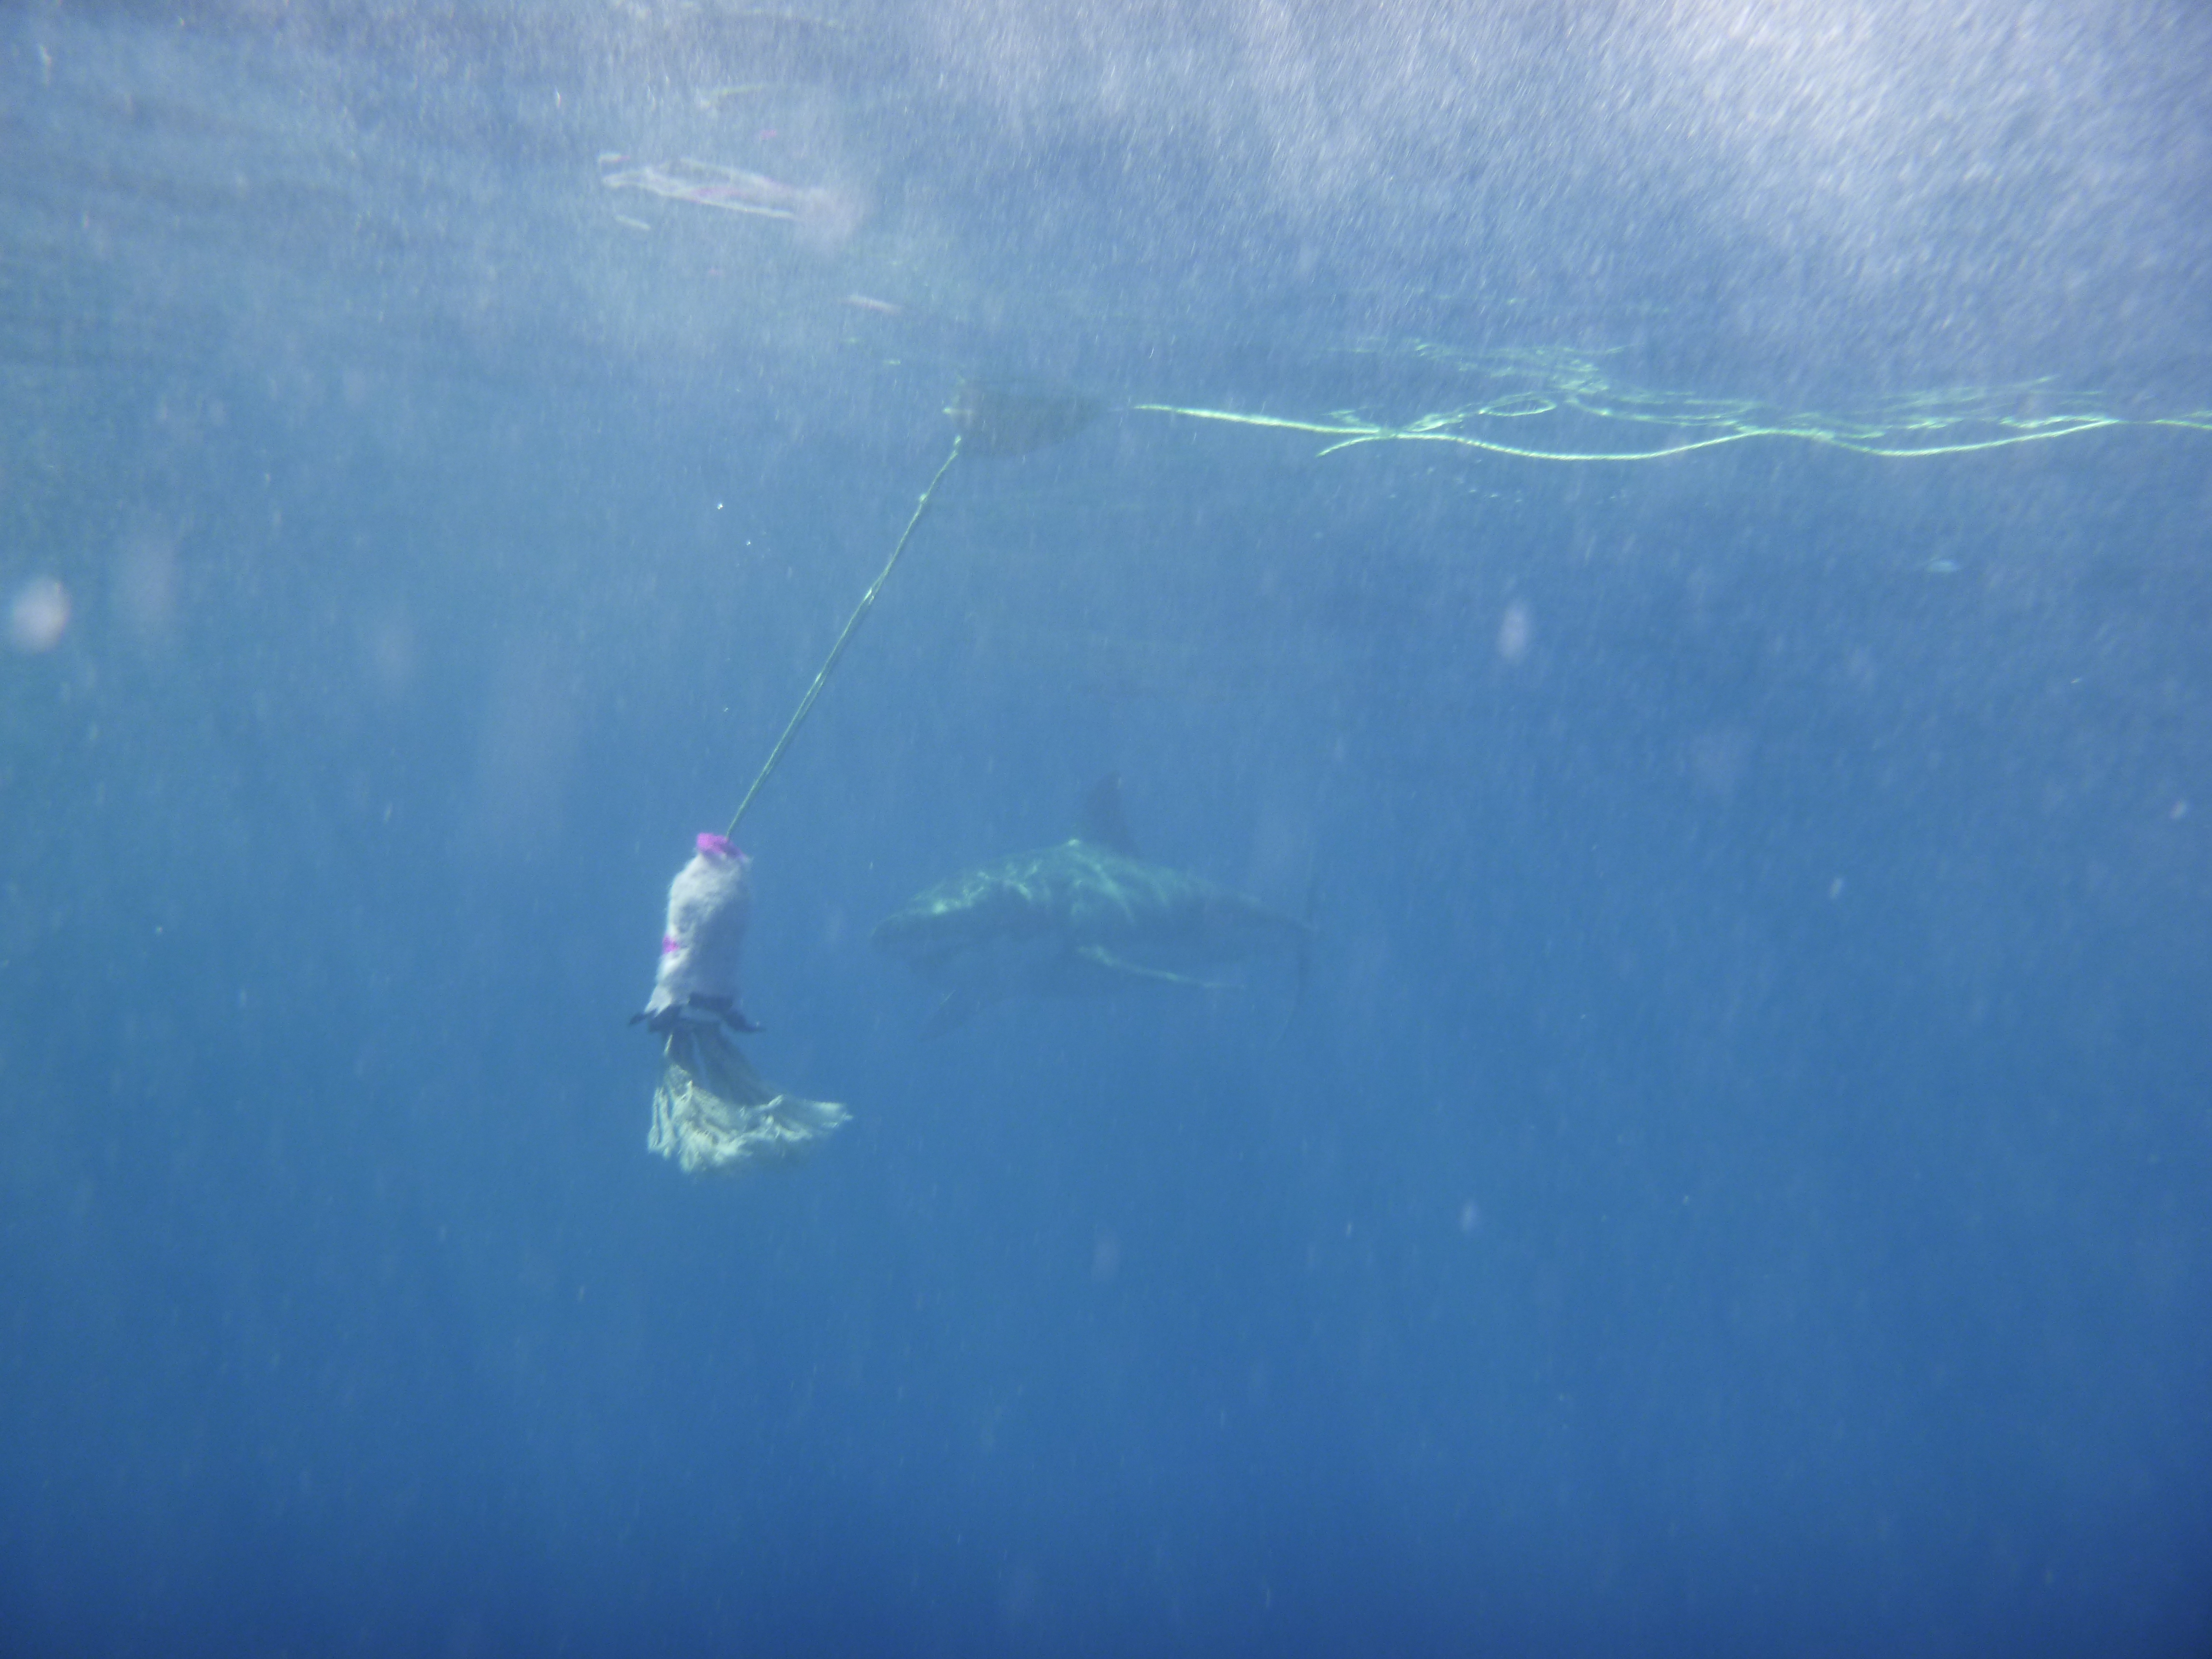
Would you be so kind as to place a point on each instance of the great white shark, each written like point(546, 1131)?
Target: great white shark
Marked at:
point(1084, 918)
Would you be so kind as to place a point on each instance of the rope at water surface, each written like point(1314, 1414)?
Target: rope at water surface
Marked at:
point(1529, 383)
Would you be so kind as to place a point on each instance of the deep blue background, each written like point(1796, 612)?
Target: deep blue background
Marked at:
point(1737, 1183)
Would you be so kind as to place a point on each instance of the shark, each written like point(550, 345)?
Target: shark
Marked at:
point(1088, 917)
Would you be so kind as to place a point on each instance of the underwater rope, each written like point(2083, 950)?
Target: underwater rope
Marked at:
point(845, 638)
point(989, 418)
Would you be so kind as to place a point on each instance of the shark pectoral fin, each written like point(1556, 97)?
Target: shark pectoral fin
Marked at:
point(1099, 956)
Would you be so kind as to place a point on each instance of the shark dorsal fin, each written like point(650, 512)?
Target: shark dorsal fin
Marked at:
point(1103, 823)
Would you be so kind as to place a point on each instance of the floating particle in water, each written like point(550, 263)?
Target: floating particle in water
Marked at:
point(1105, 1256)
point(39, 614)
point(1513, 630)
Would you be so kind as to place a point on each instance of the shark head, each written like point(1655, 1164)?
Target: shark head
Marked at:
point(979, 907)
point(1014, 900)
point(915, 930)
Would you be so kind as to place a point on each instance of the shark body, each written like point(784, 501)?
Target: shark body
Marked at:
point(1087, 917)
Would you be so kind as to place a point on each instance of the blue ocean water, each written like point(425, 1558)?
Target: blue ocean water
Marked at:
point(1737, 1177)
